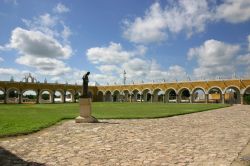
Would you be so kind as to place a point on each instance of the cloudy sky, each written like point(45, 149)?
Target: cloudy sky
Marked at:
point(151, 40)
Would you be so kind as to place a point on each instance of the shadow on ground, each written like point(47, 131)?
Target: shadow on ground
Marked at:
point(9, 159)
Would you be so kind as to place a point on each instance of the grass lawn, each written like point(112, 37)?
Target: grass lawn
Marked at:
point(26, 118)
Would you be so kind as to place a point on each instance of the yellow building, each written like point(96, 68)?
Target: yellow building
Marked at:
point(213, 91)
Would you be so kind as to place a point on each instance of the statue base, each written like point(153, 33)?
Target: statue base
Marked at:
point(85, 112)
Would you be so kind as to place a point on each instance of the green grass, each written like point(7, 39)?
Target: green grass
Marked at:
point(26, 118)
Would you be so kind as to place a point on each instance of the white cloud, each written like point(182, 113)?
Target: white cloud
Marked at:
point(66, 33)
point(183, 16)
point(114, 59)
point(244, 59)
point(113, 54)
point(234, 11)
point(44, 66)
point(45, 23)
point(189, 16)
point(37, 44)
point(1, 59)
point(60, 8)
point(8, 71)
point(109, 69)
point(214, 58)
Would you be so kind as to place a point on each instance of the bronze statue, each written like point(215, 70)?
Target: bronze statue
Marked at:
point(85, 79)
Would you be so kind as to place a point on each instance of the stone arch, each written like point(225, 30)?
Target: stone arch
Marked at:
point(108, 96)
point(69, 95)
point(126, 95)
point(2, 95)
point(13, 95)
point(198, 95)
point(116, 96)
point(171, 95)
point(147, 95)
point(136, 95)
point(232, 95)
point(246, 95)
point(58, 96)
point(184, 95)
point(158, 95)
point(45, 96)
point(215, 95)
point(100, 96)
point(29, 96)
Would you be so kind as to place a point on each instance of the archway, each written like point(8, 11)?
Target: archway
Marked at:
point(126, 95)
point(116, 96)
point(45, 97)
point(146, 95)
point(136, 96)
point(184, 95)
point(232, 95)
point(77, 96)
point(246, 96)
point(108, 96)
point(199, 96)
point(13, 96)
point(214, 95)
point(29, 96)
point(69, 96)
point(58, 96)
point(2, 96)
point(171, 96)
point(158, 95)
point(100, 96)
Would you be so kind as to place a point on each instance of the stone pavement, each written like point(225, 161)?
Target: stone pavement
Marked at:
point(206, 138)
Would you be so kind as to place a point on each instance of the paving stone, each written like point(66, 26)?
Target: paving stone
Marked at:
point(206, 138)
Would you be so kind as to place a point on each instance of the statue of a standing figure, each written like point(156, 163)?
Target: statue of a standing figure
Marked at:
point(85, 79)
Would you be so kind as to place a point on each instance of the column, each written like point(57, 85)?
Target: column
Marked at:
point(53, 97)
point(206, 98)
point(130, 98)
point(177, 98)
point(20, 97)
point(5, 96)
point(151, 99)
point(191, 98)
point(223, 98)
point(241, 99)
point(38, 96)
point(141, 97)
point(64, 96)
point(75, 96)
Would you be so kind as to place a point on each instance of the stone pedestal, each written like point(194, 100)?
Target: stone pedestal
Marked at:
point(85, 112)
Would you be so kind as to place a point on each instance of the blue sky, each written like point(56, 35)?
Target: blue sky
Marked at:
point(152, 40)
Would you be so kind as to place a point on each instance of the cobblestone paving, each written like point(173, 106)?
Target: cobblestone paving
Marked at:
point(206, 138)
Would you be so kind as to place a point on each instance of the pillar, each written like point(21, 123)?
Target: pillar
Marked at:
point(75, 96)
point(241, 99)
point(20, 97)
point(191, 98)
point(53, 97)
point(140, 97)
point(163, 98)
point(64, 97)
point(38, 96)
point(223, 98)
point(5, 96)
point(177, 98)
point(130, 98)
point(206, 98)
point(151, 99)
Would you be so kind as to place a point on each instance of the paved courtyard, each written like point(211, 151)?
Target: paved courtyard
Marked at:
point(206, 138)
